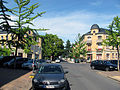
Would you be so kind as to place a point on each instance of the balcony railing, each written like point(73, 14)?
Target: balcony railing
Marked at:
point(89, 50)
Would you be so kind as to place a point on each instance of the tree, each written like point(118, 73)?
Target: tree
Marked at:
point(68, 49)
point(21, 37)
point(5, 51)
point(79, 48)
point(114, 35)
point(52, 46)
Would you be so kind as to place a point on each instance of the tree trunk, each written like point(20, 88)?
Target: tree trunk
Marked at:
point(118, 57)
point(15, 57)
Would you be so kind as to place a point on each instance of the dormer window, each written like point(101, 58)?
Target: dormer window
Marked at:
point(93, 31)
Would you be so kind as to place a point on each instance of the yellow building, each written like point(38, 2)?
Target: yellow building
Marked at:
point(36, 49)
point(96, 50)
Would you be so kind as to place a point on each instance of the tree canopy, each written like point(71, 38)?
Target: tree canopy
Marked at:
point(52, 46)
point(79, 48)
point(114, 35)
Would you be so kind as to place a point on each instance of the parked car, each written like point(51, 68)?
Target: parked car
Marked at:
point(107, 65)
point(5, 59)
point(48, 61)
point(50, 76)
point(114, 61)
point(19, 62)
point(103, 65)
point(57, 60)
point(29, 64)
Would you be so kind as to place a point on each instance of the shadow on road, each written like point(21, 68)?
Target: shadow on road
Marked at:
point(7, 75)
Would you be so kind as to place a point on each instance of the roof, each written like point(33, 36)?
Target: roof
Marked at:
point(101, 30)
point(94, 26)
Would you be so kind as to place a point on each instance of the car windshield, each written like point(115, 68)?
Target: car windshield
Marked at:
point(50, 69)
point(30, 61)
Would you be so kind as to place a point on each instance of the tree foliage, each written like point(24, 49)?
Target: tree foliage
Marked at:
point(79, 48)
point(52, 46)
point(114, 35)
point(67, 49)
point(19, 32)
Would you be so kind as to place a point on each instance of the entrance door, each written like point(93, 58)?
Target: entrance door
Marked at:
point(89, 57)
point(99, 57)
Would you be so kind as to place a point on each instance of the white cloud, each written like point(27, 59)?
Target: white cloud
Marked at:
point(68, 26)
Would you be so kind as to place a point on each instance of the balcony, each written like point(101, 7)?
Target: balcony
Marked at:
point(89, 42)
point(99, 50)
point(99, 41)
point(89, 50)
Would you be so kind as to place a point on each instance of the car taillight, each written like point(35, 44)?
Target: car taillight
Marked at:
point(33, 65)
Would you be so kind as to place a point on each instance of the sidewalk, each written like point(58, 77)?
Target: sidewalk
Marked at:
point(111, 74)
point(20, 83)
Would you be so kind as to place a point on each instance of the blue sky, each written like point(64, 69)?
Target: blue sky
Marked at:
point(67, 18)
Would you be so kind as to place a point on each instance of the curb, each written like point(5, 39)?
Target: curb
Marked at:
point(113, 78)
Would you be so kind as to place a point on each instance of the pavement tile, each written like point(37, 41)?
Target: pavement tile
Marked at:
point(111, 74)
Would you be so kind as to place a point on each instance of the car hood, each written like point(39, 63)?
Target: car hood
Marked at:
point(49, 77)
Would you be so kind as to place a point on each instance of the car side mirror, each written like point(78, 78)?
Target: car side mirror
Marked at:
point(65, 72)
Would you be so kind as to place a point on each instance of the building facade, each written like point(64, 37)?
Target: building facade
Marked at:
point(35, 52)
point(94, 42)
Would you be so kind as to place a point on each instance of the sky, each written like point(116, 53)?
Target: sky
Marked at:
point(67, 18)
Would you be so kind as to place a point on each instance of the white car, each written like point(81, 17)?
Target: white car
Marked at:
point(57, 61)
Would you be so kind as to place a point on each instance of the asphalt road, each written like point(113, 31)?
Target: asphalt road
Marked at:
point(81, 77)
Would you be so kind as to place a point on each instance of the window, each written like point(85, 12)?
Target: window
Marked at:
point(116, 55)
point(112, 55)
point(107, 56)
point(1, 37)
point(106, 37)
point(29, 32)
point(100, 37)
point(89, 38)
point(6, 37)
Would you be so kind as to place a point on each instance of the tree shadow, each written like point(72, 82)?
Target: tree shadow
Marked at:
point(7, 75)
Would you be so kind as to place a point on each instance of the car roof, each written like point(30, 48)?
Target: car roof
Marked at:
point(49, 64)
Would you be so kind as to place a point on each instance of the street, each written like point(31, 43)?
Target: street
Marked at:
point(81, 77)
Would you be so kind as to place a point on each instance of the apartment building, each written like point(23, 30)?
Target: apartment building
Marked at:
point(96, 50)
point(35, 52)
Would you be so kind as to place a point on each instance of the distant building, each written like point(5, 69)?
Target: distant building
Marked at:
point(36, 52)
point(97, 51)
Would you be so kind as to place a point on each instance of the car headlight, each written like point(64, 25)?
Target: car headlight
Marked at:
point(35, 80)
point(111, 66)
point(62, 81)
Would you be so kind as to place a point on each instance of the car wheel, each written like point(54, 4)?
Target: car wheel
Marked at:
point(106, 69)
point(92, 67)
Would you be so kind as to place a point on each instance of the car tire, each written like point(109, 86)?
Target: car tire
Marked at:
point(92, 67)
point(107, 69)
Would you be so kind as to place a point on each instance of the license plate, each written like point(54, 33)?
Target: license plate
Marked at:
point(50, 86)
